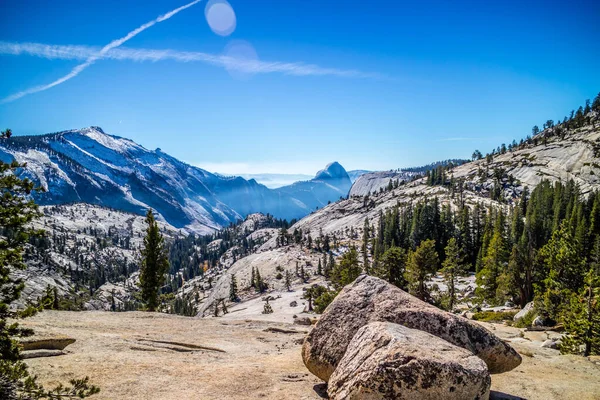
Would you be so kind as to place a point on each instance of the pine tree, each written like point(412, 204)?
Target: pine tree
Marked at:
point(253, 279)
point(224, 307)
point(319, 268)
point(347, 270)
point(17, 211)
point(312, 293)
point(564, 272)
point(493, 263)
point(452, 268)
point(267, 309)
point(421, 264)
point(392, 266)
point(260, 284)
point(233, 295)
point(596, 103)
point(330, 265)
point(155, 263)
point(582, 317)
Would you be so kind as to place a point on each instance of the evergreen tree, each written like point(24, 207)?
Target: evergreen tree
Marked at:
point(155, 263)
point(564, 272)
point(330, 265)
point(224, 307)
point(312, 293)
point(347, 270)
point(260, 284)
point(422, 263)
point(267, 309)
point(326, 268)
point(493, 263)
point(392, 266)
point(253, 279)
point(303, 275)
point(582, 317)
point(233, 295)
point(452, 268)
point(596, 103)
point(17, 211)
point(319, 268)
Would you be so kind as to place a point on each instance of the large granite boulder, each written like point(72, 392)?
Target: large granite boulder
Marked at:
point(369, 299)
point(386, 361)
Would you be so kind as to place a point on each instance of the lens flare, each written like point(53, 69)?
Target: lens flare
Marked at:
point(240, 59)
point(220, 17)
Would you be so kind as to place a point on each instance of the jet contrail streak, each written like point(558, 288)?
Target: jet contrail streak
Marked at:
point(74, 52)
point(93, 58)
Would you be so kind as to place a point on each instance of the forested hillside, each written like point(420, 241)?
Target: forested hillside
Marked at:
point(89, 256)
point(524, 218)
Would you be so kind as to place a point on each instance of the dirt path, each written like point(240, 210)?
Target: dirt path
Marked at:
point(156, 356)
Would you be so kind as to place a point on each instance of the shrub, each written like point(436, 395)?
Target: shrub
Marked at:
point(526, 321)
point(321, 302)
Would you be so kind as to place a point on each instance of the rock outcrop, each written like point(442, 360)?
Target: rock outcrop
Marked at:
point(524, 311)
point(370, 299)
point(386, 361)
point(46, 342)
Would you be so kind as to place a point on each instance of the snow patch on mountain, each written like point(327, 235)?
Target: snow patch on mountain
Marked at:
point(88, 165)
point(41, 166)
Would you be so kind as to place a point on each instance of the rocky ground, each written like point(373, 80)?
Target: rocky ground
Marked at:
point(139, 355)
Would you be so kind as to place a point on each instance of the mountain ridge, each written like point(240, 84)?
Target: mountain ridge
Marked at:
point(89, 165)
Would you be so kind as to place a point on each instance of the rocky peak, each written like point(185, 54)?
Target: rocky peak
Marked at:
point(333, 170)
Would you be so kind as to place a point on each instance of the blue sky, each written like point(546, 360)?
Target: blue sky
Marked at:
point(390, 83)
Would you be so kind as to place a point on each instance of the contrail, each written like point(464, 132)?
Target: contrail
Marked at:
point(90, 60)
point(73, 52)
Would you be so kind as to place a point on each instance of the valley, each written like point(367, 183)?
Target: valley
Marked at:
point(253, 287)
point(287, 200)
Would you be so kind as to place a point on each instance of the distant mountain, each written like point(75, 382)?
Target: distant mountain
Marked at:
point(367, 182)
point(330, 184)
point(90, 166)
point(372, 182)
point(355, 174)
point(273, 181)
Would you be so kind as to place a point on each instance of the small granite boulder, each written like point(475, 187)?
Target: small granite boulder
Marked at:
point(524, 311)
point(386, 361)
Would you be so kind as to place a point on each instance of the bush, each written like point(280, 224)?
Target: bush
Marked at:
point(321, 302)
point(526, 321)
